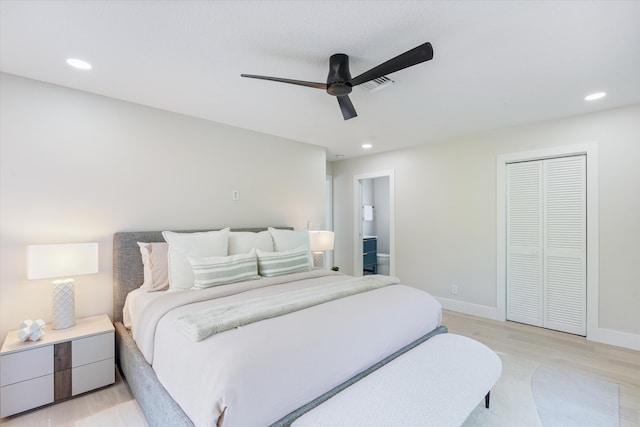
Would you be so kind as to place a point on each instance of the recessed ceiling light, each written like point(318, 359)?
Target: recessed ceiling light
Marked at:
point(366, 146)
point(79, 63)
point(594, 96)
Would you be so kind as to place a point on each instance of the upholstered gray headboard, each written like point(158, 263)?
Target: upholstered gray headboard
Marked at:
point(127, 262)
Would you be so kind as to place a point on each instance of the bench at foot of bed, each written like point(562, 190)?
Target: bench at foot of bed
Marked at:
point(438, 383)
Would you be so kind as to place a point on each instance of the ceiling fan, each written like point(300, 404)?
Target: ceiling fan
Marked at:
point(339, 81)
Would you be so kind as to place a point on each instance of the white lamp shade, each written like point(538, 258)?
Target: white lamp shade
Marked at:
point(320, 241)
point(45, 261)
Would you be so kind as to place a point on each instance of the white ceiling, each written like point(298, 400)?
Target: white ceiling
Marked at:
point(496, 63)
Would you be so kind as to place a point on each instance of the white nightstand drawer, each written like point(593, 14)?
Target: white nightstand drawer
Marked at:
point(92, 376)
point(27, 369)
point(92, 349)
point(26, 395)
point(25, 365)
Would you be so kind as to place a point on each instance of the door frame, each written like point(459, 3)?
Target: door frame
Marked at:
point(591, 152)
point(328, 217)
point(357, 219)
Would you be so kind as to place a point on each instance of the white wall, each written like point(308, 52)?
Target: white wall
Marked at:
point(446, 210)
point(77, 167)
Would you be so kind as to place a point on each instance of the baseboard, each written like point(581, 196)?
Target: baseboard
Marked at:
point(601, 335)
point(469, 308)
point(617, 338)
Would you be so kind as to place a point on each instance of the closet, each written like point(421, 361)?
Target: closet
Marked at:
point(546, 243)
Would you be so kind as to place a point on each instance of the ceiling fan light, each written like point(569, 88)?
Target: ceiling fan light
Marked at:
point(594, 96)
point(79, 63)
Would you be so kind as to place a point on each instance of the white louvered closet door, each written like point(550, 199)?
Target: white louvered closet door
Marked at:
point(546, 243)
point(565, 244)
point(524, 243)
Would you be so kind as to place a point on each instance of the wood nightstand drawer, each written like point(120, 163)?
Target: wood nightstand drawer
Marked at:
point(93, 375)
point(25, 365)
point(92, 349)
point(25, 395)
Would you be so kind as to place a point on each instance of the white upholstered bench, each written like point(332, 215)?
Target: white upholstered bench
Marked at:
point(438, 383)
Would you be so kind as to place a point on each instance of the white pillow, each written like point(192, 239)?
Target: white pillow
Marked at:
point(241, 242)
point(156, 267)
point(283, 262)
point(214, 270)
point(145, 251)
point(183, 245)
point(285, 240)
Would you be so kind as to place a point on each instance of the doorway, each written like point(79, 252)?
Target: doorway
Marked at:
point(374, 203)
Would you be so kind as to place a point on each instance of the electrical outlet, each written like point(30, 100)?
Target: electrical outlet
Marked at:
point(235, 195)
point(454, 289)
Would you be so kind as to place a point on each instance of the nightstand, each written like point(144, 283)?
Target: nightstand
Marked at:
point(64, 363)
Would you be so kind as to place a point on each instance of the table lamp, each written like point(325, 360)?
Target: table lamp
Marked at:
point(63, 260)
point(319, 242)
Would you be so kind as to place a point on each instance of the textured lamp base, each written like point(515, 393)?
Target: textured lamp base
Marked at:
point(63, 304)
point(318, 260)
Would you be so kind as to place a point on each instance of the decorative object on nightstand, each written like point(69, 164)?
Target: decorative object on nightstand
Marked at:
point(30, 330)
point(319, 243)
point(46, 261)
point(62, 364)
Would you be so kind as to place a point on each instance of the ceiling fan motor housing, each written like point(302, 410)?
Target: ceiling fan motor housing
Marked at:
point(339, 75)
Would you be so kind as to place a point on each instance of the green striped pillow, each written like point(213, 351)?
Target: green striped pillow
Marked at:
point(216, 270)
point(285, 262)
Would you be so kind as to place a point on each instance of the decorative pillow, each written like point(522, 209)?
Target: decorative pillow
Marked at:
point(285, 240)
point(183, 245)
point(283, 262)
point(241, 242)
point(214, 270)
point(156, 267)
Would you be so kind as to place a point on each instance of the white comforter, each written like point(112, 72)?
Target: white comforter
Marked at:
point(256, 374)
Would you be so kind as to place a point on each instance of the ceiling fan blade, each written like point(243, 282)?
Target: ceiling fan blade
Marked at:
point(415, 56)
point(348, 111)
point(322, 86)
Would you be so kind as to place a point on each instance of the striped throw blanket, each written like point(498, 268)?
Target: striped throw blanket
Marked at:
point(200, 325)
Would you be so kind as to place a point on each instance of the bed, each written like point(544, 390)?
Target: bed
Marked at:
point(268, 371)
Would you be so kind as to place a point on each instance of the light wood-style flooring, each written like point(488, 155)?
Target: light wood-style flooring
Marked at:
point(606, 362)
point(65, 414)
